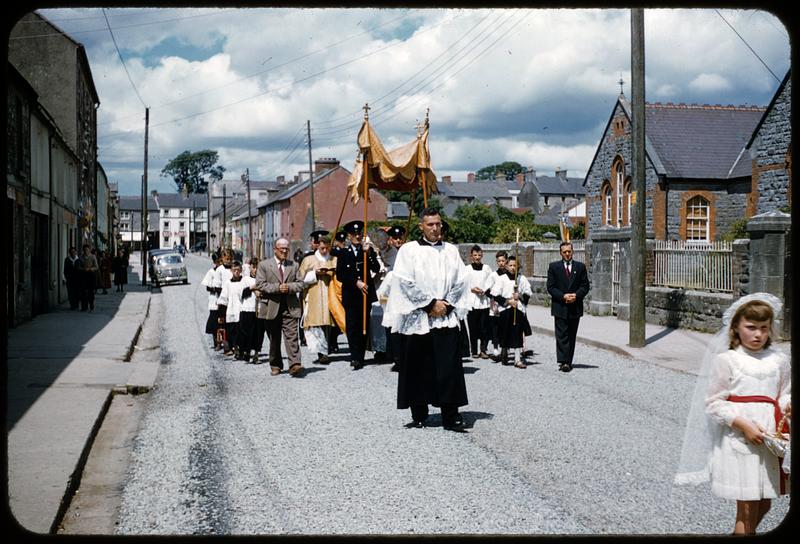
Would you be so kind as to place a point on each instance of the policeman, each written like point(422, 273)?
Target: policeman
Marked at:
point(350, 272)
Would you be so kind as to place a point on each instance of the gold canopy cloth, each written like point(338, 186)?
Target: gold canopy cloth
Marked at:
point(401, 169)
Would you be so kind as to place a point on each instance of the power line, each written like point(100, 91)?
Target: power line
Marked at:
point(113, 39)
point(134, 25)
point(748, 46)
point(260, 72)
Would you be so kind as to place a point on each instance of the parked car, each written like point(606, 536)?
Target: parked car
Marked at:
point(152, 255)
point(170, 267)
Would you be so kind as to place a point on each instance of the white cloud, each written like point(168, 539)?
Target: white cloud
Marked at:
point(240, 79)
point(708, 83)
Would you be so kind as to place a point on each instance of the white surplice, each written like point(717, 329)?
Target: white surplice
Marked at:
point(421, 274)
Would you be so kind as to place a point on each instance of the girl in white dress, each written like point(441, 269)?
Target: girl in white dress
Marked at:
point(747, 392)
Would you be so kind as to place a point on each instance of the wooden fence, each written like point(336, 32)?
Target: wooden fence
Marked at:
point(702, 267)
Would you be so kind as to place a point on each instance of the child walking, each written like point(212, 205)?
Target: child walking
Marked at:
point(747, 394)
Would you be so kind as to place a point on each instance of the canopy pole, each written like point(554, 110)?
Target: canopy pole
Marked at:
point(410, 213)
point(424, 188)
point(366, 204)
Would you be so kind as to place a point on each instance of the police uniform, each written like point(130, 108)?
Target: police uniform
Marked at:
point(349, 270)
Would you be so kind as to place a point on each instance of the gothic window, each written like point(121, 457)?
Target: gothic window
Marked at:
point(618, 177)
point(607, 200)
point(628, 215)
point(697, 219)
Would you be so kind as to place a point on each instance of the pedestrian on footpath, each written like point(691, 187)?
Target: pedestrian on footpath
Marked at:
point(105, 271)
point(89, 271)
point(119, 267)
point(477, 276)
point(567, 284)
point(743, 395)
point(73, 278)
point(279, 282)
point(317, 271)
point(213, 308)
point(428, 291)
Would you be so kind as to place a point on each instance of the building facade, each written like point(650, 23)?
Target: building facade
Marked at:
point(695, 188)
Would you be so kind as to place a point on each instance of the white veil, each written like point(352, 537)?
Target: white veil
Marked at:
point(701, 432)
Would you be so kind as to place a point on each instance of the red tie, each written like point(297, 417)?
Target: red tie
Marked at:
point(280, 270)
point(566, 268)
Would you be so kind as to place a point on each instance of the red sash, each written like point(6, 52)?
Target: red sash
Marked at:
point(778, 417)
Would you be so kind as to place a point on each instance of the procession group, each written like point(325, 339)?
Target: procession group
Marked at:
point(414, 304)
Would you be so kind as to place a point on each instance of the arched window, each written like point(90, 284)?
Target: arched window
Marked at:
point(628, 216)
point(697, 219)
point(618, 180)
point(607, 201)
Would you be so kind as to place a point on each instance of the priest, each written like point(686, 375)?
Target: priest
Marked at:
point(428, 297)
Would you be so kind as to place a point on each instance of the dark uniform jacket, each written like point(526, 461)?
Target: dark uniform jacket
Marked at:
point(350, 269)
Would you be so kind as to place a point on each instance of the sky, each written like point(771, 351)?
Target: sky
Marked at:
point(535, 86)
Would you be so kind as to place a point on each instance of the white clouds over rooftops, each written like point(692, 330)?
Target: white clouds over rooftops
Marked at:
point(534, 86)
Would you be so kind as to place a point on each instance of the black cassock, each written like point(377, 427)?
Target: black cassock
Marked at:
point(431, 371)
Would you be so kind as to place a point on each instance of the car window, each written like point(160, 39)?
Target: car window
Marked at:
point(170, 259)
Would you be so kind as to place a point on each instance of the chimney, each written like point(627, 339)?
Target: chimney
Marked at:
point(500, 178)
point(281, 180)
point(471, 177)
point(154, 193)
point(327, 163)
point(530, 174)
point(447, 180)
point(561, 174)
point(520, 179)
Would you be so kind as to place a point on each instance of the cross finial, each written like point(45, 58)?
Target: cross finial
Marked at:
point(418, 126)
point(621, 82)
point(366, 111)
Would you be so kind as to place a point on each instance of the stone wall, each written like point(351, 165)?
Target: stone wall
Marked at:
point(681, 308)
point(769, 152)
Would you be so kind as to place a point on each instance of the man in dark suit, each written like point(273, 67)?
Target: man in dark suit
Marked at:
point(350, 272)
point(568, 284)
point(278, 282)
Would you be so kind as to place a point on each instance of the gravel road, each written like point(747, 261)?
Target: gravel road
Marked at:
point(225, 448)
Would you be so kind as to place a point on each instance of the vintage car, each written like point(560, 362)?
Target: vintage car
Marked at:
point(170, 267)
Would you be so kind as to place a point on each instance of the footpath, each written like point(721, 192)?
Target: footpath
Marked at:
point(63, 369)
point(65, 366)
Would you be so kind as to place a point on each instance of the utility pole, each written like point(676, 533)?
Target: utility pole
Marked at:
point(144, 198)
point(636, 321)
point(249, 222)
point(311, 174)
point(208, 219)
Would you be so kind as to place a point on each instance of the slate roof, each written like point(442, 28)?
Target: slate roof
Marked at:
point(692, 141)
point(701, 141)
point(295, 188)
point(478, 189)
point(552, 185)
point(397, 209)
point(134, 203)
point(177, 200)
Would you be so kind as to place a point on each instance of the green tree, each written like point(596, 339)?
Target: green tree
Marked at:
point(473, 223)
point(189, 170)
point(419, 202)
point(509, 168)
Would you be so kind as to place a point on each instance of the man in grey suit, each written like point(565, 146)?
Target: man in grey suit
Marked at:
point(568, 284)
point(279, 284)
